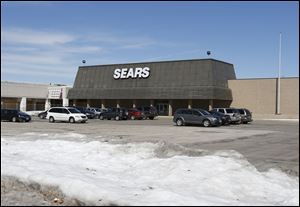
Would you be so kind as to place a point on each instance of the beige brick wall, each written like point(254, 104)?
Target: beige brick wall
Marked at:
point(259, 95)
point(289, 96)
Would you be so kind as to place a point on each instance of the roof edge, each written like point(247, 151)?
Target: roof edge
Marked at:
point(205, 59)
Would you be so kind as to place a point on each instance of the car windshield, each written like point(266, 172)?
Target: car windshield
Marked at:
point(204, 112)
point(74, 111)
point(241, 111)
point(98, 110)
point(229, 111)
point(215, 113)
point(236, 111)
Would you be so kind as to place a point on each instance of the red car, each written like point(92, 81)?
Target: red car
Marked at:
point(135, 114)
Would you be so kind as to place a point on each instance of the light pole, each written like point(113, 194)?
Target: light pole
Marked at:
point(279, 74)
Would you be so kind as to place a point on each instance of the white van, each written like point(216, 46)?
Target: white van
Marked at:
point(68, 114)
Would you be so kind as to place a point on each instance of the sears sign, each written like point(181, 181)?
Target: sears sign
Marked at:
point(126, 73)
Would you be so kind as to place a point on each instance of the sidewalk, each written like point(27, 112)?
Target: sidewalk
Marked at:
point(291, 117)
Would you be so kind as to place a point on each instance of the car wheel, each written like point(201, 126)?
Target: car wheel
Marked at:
point(72, 120)
point(151, 117)
point(51, 119)
point(117, 118)
point(101, 117)
point(206, 123)
point(14, 119)
point(132, 117)
point(179, 122)
point(40, 116)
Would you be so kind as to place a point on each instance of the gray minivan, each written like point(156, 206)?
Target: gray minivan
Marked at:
point(185, 116)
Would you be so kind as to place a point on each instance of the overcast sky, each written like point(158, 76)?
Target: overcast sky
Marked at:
point(45, 42)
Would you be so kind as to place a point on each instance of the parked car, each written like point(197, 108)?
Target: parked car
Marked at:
point(115, 113)
point(42, 115)
point(135, 114)
point(88, 113)
point(186, 116)
point(246, 115)
point(224, 117)
point(148, 111)
point(68, 114)
point(14, 115)
point(234, 114)
point(95, 110)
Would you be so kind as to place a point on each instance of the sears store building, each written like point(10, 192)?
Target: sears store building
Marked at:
point(166, 85)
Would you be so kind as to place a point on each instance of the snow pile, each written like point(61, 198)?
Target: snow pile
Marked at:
point(100, 173)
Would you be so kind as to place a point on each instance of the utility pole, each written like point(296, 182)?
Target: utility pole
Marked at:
point(279, 74)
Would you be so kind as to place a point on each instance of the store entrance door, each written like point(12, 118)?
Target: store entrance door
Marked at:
point(162, 109)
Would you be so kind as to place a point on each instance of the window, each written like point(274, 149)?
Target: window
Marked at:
point(74, 111)
point(247, 112)
point(54, 110)
point(204, 112)
point(237, 111)
point(65, 111)
point(230, 111)
point(221, 111)
point(241, 111)
point(187, 111)
point(179, 111)
point(197, 113)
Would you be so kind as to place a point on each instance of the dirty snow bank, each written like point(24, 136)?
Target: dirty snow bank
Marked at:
point(145, 174)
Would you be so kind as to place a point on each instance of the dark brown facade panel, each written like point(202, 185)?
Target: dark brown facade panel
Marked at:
point(154, 93)
point(189, 79)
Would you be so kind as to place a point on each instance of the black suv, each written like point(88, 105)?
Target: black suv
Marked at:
point(148, 111)
point(114, 113)
point(246, 115)
point(224, 117)
point(84, 110)
point(42, 115)
point(14, 115)
point(195, 116)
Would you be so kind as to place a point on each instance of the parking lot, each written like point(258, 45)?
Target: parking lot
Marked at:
point(264, 143)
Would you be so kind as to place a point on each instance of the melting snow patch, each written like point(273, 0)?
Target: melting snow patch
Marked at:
point(145, 173)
